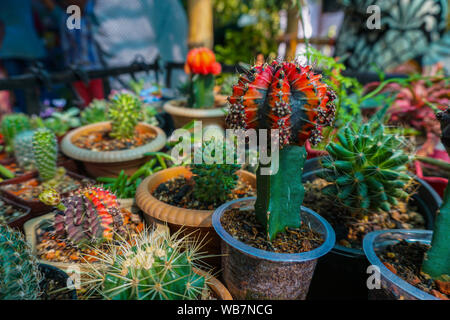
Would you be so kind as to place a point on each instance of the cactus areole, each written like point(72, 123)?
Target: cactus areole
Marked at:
point(437, 260)
point(292, 99)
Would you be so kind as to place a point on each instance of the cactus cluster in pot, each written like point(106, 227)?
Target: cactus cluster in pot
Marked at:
point(291, 99)
point(125, 112)
point(87, 215)
point(153, 266)
point(19, 270)
point(367, 168)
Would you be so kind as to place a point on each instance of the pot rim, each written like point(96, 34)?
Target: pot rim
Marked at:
point(389, 275)
point(172, 109)
point(314, 254)
point(72, 151)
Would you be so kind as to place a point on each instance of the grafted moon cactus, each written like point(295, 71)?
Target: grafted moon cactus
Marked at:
point(292, 99)
point(89, 214)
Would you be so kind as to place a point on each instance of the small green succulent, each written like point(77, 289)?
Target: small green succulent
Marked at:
point(124, 113)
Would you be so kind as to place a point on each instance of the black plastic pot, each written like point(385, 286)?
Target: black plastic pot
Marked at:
point(342, 273)
point(60, 277)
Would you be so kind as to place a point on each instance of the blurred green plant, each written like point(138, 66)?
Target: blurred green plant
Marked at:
point(96, 111)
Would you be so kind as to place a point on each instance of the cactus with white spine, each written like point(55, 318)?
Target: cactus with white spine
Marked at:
point(125, 113)
point(22, 149)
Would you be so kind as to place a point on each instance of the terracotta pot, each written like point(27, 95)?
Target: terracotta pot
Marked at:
point(215, 285)
point(18, 223)
point(110, 163)
point(188, 219)
point(37, 207)
point(182, 115)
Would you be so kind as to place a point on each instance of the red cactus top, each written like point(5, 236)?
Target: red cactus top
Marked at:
point(283, 96)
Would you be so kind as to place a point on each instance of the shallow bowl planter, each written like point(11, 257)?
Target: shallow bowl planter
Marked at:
point(110, 163)
point(182, 115)
point(392, 286)
point(251, 273)
point(36, 206)
point(342, 274)
point(188, 219)
point(18, 223)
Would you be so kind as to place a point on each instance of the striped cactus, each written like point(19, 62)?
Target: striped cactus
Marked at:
point(45, 153)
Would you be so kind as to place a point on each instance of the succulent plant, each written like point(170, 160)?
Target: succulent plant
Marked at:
point(22, 150)
point(11, 125)
point(96, 111)
point(291, 99)
point(45, 153)
point(437, 259)
point(367, 168)
point(124, 113)
point(154, 266)
point(19, 272)
point(89, 214)
point(214, 182)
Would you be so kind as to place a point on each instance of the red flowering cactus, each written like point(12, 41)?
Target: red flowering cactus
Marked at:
point(283, 96)
point(201, 64)
point(202, 61)
point(292, 99)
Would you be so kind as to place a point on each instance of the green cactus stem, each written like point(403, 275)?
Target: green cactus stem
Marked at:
point(19, 272)
point(201, 91)
point(437, 260)
point(45, 153)
point(11, 125)
point(280, 196)
point(124, 113)
point(22, 149)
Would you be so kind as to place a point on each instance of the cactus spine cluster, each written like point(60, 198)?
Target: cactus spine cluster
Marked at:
point(124, 113)
point(11, 125)
point(155, 266)
point(19, 272)
point(87, 215)
point(45, 153)
point(437, 259)
point(22, 149)
point(214, 182)
point(291, 99)
point(367, 168)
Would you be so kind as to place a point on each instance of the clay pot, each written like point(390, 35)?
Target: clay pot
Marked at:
point(110, 163)
point(215, 285)
point(189, 219)
point(182, 115)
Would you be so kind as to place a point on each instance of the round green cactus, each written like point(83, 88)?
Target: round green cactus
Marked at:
point(367, 168)
point(22, 151)
point(19, 272)
point(214, 180)
point(124, 113)
point(11, 125)
point(45, 153)
point(95, 112)
point(155, 266)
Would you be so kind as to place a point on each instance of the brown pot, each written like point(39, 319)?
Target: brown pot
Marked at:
point(188, 219)
point(182, 115)
point(18, 223)
point(110, 163)
point(36, 206)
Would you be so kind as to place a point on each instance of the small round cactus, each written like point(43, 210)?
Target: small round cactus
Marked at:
point(45, 153)
point(19, 272)
point(125, 113)
point(367, 168)
point(89, 214)
point(22, 151)
point(12, 125)
point(154, 266)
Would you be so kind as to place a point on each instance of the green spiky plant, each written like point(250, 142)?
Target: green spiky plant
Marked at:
point(124, 113)
point(11, 125)
point(96, 111)
point(87, 215)
point(45, 153)
point(214, 182)
point(367, 168)
point(22, 149)
point(437, 259)
point(291, 99)
point(154, 266)
point(19, 271)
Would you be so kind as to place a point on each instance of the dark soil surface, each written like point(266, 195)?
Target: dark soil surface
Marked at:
point(405, 260)
point(179, 192)
point(351, 227)
point(242, 225)
point(102, 141)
